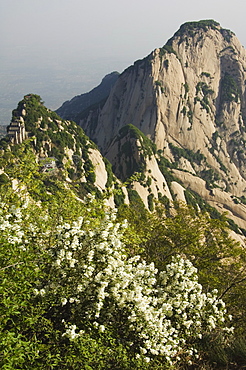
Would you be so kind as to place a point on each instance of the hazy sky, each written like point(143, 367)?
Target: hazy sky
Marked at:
point(61, 48)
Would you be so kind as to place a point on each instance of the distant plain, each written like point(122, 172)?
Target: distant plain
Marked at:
point(55, 82)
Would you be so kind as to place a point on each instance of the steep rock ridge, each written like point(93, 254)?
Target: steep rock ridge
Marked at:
point(133, 160)
point(71, 109)
point(211, 106)
point(188, 95)
point(131, 101)
point(62, 149)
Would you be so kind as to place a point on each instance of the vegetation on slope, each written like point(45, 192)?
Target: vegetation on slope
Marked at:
point(62, 140)
point(135, 149)
point(82, 288)
point(189, 29)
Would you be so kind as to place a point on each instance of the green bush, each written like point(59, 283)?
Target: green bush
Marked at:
point(4, 179)
point(150, 199)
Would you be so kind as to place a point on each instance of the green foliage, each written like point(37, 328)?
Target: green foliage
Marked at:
point(4, 179)
point(28, 338)
point(187, 153)
point(53, 136)
point(215, 135)
point(110, 173)
point(237, 350)
point(166, 63)
point(222, 166)
point(32, 332)
point(219, 259)
point(63, 139)
point(206, 74)
point(164, 200)
point(34, 110)
point(165, 167)
point(229, 89)
point(190, 115)
point(147, 145)
point(189, 28)
point(119, 196)
point(20, 164)
point(205, 90)
point(150, 199)
point(149, 181)
point(227, 34)
point(145, 148)
point(135, 198)
point(56, 274)
point(243, 199)
point(52, 245)
point(199, 204)
point(186, 87)
point(159, 84)
point(210, 176)
point(167, 49)
point(4, 143)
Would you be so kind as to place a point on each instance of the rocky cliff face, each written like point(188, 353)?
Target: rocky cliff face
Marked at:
point(189, 98)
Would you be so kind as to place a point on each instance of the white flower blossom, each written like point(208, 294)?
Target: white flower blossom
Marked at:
point(35, 291)
point(42, 292)
point(64, 301)
point(101, 328)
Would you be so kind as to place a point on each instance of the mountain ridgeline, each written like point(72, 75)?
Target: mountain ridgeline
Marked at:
point(71, 109)
point(188, 98)
point(103, 265)
point(172, 127)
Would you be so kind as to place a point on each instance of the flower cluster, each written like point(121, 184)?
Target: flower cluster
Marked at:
point(162, 311)
point(10, 226)
point(94, 281)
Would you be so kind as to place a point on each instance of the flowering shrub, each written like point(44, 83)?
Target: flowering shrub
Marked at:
point(162, 311)
point(86, 281)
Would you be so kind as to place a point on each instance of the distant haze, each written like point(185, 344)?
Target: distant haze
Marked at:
point(62, 48)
